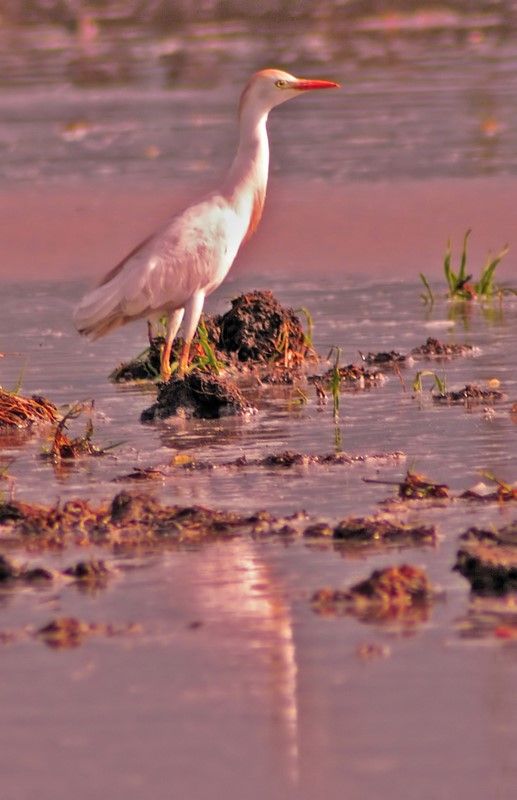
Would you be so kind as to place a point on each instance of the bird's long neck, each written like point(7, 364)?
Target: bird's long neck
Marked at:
point(245, 184)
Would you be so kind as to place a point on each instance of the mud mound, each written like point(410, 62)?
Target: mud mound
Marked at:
point(488, 559)
point(353, 376)
point(403, 593)
point(469, 395)
point(145, 367)
point(257, 328)
point(198, 394)
point(386, 359)
point(433, 348)
point(375, 530)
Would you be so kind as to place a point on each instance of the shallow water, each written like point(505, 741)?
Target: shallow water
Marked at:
point(454, 444)
point(234, 686)
point(232, 666)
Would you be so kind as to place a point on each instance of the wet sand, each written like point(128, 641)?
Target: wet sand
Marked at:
point(391, 229)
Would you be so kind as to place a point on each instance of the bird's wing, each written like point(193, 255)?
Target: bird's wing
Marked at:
point(193, 253)
point(121, 264)
point(196, 251)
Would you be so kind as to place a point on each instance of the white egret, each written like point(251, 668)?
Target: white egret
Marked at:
point(172, 271)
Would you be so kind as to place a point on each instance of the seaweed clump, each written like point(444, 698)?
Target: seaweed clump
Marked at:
point(66, 447)
point(418, 487)
point(488, 559)
point(403, 592)
point(198, 394)
point(17, 411)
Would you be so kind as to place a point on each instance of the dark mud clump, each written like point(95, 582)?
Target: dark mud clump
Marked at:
point(145, 367)
point(469, 395)
point(351, 376)
point(278, 375)
point(260, 330)
point(69, 632)
point(257, 330)
point(12, 571)
point(90, 574)
point(433, 348)
point(142, 475)
point(488, 559)
point(490, 617)
point(17, 411)
point(130, 520)
point(198, 394)
point(283, 460)
point(417, 487)
point(374, 530)
point(392, 593)
point(385, 359)
point(93, 572)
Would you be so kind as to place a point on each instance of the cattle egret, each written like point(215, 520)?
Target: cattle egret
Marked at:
point(171, 272)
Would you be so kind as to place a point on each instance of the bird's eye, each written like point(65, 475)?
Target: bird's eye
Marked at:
point(281, 84)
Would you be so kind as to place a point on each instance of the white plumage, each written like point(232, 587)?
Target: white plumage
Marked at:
point(173, 270)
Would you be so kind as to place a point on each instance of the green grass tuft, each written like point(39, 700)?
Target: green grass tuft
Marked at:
point(417, 385)
point(460, 283)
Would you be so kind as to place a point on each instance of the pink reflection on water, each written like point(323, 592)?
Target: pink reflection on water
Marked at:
point(389, 230)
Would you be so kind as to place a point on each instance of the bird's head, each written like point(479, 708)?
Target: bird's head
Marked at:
point(270, 87)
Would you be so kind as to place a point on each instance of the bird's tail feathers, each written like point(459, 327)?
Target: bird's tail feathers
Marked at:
point(99, 312)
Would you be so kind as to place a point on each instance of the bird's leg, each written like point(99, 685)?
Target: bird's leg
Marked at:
point(184, 359)
point(165, 362)
point(172, 329)
point(193, 311)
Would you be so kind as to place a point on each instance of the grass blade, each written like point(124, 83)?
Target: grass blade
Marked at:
point(485, 285)
point(462, 275)
point(211, 358)
point(427, 296)
point(450, 276)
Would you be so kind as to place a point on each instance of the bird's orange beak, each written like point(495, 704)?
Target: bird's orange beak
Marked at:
point(304, 84)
